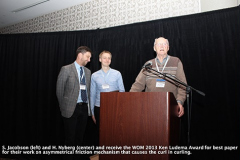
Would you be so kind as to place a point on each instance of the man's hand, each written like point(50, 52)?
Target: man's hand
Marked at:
point(181, 110)
point(93, 118)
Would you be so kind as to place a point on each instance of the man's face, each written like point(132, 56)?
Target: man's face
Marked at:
point(161, 47)
point(84, 58)
point(105, 59)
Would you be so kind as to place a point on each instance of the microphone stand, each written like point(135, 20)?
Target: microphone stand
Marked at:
point(188, 90)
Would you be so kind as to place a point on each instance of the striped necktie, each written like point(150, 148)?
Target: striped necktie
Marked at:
point(82, 82)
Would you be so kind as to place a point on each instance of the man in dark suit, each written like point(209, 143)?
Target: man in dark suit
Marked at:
point(73, 93)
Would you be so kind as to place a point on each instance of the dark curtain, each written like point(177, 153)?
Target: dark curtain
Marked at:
point(207, 44)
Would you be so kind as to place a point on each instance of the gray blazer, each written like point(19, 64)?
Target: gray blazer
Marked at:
point(68, 87)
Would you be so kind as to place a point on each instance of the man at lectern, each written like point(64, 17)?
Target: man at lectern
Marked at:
point(104, 80)
point(163, 63)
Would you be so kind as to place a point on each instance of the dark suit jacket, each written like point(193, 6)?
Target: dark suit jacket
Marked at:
point(68, 87)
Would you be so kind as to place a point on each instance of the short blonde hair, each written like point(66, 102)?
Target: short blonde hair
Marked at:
point(100, 55)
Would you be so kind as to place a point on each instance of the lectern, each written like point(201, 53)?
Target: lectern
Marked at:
point(138, 122)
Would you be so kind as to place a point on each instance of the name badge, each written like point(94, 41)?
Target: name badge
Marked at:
point(160, 83)
point(82, 87)
point(105, 86)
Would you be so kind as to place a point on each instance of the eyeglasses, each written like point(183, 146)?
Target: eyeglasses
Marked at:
point(163, 44)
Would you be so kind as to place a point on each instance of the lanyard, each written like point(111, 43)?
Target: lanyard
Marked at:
point(80, 78)
point(163, 66)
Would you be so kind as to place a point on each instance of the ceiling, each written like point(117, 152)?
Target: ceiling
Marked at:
point(8, 17)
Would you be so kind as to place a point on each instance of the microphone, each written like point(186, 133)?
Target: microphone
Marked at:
point(148, 64)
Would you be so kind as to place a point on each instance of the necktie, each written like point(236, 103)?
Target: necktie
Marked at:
point(82, 82)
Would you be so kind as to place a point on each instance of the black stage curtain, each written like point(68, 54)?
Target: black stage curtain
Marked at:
point(207, 44)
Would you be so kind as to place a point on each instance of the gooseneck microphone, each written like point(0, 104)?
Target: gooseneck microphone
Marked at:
point(148, 64)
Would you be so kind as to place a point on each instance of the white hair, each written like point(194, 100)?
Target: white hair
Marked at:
point(159, 38)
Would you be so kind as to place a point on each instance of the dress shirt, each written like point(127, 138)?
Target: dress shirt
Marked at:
point(99, 79)
point(164, 60)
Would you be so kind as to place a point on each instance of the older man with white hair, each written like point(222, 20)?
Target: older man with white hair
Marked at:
point(163, 63)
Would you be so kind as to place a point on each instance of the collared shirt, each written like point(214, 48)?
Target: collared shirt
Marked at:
point(79, 78)
point(99, 80)
point(164, 60)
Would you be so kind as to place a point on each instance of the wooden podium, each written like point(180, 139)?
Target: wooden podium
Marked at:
point(141, 120)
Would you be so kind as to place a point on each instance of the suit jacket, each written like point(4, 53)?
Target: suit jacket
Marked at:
point(68, 87)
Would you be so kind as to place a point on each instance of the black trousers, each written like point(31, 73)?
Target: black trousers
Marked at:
point(75, 126)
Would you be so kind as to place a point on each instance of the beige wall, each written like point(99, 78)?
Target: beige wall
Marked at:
point(209, 5)
point(105, 13)
point(109, 13)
